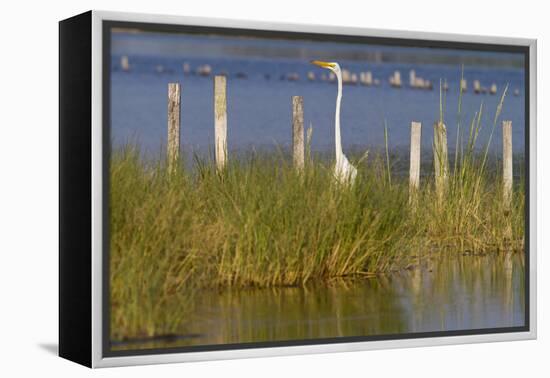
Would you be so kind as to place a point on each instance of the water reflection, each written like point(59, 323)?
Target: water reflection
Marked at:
point(439, 294)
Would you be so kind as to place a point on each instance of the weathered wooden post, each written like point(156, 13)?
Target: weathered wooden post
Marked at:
point(298, 131)
point(441, 163)
point(124, 63)
point(174, 97)
point(507, 170)
point(477, 87)
point(412, 78)
point(395, 80)
point(463, 85)
point(309, 135)
point(220, 120)
point(414, 170)
point(507, 179)
point(368, 78)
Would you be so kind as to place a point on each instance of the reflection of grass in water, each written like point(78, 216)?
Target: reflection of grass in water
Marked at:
point(448, 292)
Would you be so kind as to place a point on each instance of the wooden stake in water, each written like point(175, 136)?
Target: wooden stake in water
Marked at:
point(124, 63)
point(298, 131)
point(220, 120)
point(414, 170)
point(441, 163)
point(173, 124)
point(507, 170)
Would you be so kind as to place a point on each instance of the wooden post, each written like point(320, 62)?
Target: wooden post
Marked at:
point(298, 131)
point(441, 163)
point(507, 170)
point(309, 134)
point(124, 63)
point(412, 78)
point(220, 120)
point(477, 86)
point(173, 125)
point(463, 85)
point(414, 170)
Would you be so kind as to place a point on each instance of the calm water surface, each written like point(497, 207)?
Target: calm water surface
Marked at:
point(259, 106)
point(439, 294)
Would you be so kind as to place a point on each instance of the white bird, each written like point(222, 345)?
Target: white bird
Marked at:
point(344, 172)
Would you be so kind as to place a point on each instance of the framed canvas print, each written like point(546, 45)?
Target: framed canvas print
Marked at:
point(233, 189)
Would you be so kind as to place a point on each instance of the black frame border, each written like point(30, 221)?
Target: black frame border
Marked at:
point(108, 25)
point(75, 188)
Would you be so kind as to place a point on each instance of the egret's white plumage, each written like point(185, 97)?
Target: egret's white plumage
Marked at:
point(344, 172)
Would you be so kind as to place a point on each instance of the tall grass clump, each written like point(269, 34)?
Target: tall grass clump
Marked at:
point(472, 217)
point(150, 259)
point(257, 223)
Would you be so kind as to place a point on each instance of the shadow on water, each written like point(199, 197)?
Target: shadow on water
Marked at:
point(440, 294)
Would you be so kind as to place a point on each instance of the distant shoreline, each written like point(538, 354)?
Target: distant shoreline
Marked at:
point(232, 46)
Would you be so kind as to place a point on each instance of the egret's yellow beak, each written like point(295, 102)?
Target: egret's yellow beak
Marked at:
point(322, 64)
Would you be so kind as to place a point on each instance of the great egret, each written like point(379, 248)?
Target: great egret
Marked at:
point(344, 172)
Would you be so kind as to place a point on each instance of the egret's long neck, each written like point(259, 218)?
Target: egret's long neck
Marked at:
point(337, 136)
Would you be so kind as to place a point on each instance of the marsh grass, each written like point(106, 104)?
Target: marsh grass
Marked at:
point(261, 223)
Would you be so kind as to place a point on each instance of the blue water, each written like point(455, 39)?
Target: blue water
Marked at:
point(259, 106)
